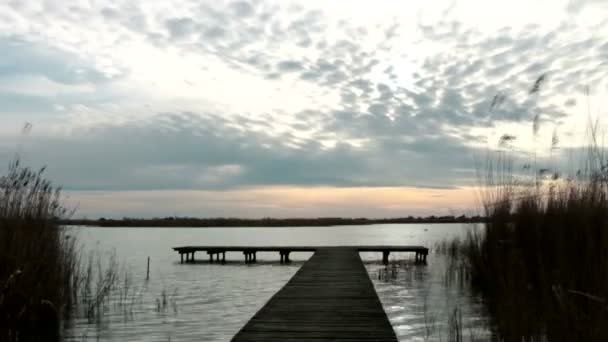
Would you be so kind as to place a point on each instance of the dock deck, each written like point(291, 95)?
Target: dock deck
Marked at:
point(330, 298)
point(250, 252)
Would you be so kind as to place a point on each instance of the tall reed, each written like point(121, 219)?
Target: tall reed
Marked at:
point(37, 261)
point(542, 261)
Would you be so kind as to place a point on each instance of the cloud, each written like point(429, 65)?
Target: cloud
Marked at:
point(198, 151)
point(288, 66)
point(180, 27)
point(242, 8)
point(575, 6)
point(222, 95)
point(21, 57)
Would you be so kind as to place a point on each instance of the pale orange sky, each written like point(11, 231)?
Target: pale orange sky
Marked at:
point(278, 202)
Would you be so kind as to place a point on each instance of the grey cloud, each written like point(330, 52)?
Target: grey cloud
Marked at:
point(450, 90)
point(129, 15)
point(288, 66)
point(110, 13)
point(308, 22)
point(247, 35)
point(23, 59)
point(242, 8)
point(180, 27)
point(24, 104)
point(364, 85)
point(201, 151)
point(20, 57)
point(570, 103)
point(310, 76)
point(214, 32)
point(326, 73)
point(255, 44)
point(336, 77)
point(349, 98)
point(455, 85)
point(304, 42)
point(385, 92)
point(576, 6)
point(377, 109)
point(453, 90)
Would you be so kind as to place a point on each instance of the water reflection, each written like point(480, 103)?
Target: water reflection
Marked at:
point(211, 302)
point(421, 303)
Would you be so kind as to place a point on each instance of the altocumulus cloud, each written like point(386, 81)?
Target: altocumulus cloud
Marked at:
point(219, 96)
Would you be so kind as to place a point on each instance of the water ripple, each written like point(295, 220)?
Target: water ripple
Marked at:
point(211, 302)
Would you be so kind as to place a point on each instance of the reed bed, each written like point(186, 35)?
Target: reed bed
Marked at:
point(37, 261)
point(43, 274)
point(541, 263)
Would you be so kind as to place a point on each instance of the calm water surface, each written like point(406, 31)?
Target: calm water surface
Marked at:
point(211, 302)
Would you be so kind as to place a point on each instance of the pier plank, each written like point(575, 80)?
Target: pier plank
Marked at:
point(330, 298)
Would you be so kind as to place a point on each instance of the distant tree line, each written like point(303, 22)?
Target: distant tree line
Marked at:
point(265, 222)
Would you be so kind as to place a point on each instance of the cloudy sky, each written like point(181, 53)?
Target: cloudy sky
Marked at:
point(291, 108)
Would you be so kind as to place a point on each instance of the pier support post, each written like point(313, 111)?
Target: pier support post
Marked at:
point(217, 257)
point(385, 257)
point(287, 257)
point(210, 257)
point(254, 257)
point(223, 257)
point(181, 258)
point(193, 257)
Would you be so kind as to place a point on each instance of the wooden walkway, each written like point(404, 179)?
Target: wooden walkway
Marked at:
point(250, 251)
point(330, 298)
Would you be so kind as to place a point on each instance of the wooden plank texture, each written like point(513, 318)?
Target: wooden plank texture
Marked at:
point(330, 298)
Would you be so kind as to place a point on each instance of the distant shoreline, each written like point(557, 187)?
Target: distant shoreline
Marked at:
point(265, 222)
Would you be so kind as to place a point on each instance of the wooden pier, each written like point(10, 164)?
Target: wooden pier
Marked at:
point(250, 252)
point(330, 298)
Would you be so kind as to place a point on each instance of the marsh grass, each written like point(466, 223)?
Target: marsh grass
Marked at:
point(101, 276)
point(37, 261)
point(43, 274)
point(541, 263)
point(165, 301)
point(128, 294)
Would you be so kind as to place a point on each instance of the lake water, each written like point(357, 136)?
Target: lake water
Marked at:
point(211, 302)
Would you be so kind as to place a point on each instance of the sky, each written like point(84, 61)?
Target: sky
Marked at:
point(292, 108)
